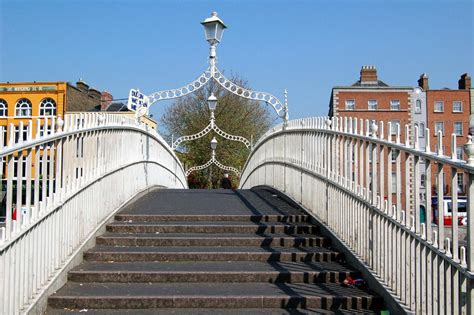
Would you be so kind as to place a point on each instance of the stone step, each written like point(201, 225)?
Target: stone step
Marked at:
point(210, 227)
point(328, 296)
point(235, 271)
point(217, 239)
point(207, 253)
point(206, 311)
point(195, 218)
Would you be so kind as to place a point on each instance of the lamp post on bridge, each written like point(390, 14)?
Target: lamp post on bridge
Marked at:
point(213, 30)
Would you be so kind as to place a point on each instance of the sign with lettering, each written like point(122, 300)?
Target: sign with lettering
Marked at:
point(137, 100)
point(27, 88)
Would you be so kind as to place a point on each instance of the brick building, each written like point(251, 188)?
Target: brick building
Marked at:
point(372, 99)
point(448, 111)
point(436, 109)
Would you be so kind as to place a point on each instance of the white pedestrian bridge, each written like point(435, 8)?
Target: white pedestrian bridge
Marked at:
point(72, 179)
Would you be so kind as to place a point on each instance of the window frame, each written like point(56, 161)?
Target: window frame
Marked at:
point(353, 104)
point(3, 108)
point(393, 132)
point(376, 104)
point(454, 128)
point(391, 104)
point(459, 153)
point(457, 111)
point(421, 130)
point(23, 100)
point(442, 107)
point(43, 107)
point(418, 110)
point(436, 131)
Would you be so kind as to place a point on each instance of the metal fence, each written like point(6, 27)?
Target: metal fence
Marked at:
point(62, 184)
point(364, 184)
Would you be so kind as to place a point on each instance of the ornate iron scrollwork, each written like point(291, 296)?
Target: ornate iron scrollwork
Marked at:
point(209, 163)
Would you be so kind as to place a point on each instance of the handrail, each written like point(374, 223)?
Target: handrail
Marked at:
point(62, 183)
point(364, 185)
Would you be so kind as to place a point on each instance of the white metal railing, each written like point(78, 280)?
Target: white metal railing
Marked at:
point(343, 170)
point(71, 179)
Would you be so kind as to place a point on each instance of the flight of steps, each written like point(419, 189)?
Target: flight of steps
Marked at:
point(229, 263)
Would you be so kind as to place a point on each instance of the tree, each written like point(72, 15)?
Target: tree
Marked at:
point(234, 115)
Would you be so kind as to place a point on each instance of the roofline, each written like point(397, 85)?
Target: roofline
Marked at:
point(367, 87)
point(448, 90)
point(37, 82)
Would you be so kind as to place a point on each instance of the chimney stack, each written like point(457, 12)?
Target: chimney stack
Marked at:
point(83, 86)
point(368, 75)
point(105, 100)
point(423, 82)
point(464, 82)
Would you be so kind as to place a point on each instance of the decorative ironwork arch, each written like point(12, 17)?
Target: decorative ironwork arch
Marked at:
point(214, 161)
point(213, 72)
point(212, 126)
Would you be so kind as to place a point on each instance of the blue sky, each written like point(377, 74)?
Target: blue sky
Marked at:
point(306, 47)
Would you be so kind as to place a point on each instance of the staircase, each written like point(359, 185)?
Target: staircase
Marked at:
point(220, 252)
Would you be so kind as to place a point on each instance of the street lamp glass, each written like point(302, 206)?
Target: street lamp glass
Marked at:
point(213, 28)
point(213, 143)
point(212, 102)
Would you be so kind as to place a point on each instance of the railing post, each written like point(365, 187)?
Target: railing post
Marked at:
point(469, 149)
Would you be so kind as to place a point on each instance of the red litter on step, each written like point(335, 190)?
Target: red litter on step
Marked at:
point(349, 282)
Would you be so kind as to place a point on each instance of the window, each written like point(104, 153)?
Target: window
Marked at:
point(47, 107)
point(16, 163)
point(394, 183)
point(45, 130)
point(438, 107)
point(421, 130)
point(418, 107)
point(23, 108)
point(24, 135)
point(423, 180)
point(457, 107)
point(394, 127)
point(458, 128)
point(372, 104)
point(459, 153)
point(350, 104)
point(395, 104)
point(3, 108)
point(439, 126)
point(394, 155)
point(460, 182)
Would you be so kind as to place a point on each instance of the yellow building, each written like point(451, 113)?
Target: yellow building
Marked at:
point(22, 102)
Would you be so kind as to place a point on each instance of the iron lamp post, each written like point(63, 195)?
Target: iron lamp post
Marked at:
point(213, 144)
point(213, 29)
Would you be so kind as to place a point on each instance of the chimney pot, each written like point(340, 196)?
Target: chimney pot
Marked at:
point(423, 82)
point(464, 82)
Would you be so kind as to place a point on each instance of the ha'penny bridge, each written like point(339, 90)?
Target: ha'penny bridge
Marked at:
point(99, 219)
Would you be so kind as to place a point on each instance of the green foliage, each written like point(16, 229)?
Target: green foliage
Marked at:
point(234, 115)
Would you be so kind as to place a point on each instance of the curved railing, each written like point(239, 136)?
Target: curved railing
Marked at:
point(64, 184)
point(342, 171)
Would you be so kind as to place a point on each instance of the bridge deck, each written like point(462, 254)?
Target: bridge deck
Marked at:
point(217, 251)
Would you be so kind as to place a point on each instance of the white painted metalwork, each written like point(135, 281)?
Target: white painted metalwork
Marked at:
point(213, 73)
point(62, 185)
point(342, 170)
point(214, 161)
point(212, 126)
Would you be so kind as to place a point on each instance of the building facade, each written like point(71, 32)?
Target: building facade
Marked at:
point(446, 110)
point(448, 113)
point(372, 99)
